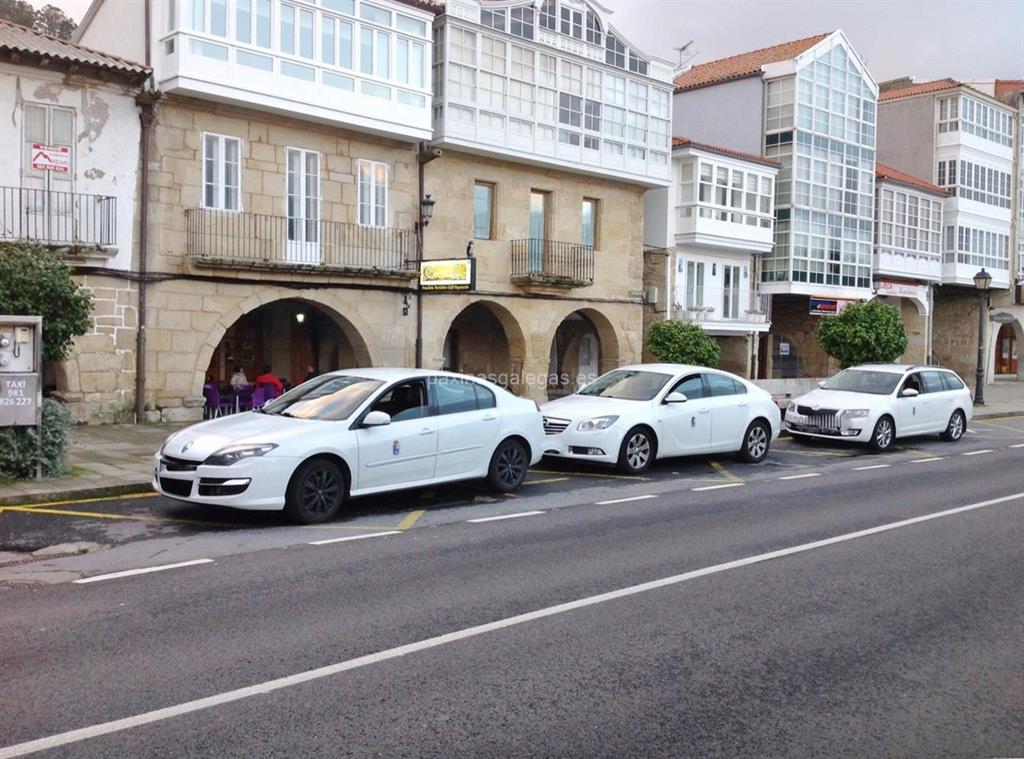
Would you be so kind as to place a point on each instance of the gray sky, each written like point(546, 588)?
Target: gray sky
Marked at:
point(929, 39)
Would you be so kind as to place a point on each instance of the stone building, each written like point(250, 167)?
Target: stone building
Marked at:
point(68, 181)
point(717, 219)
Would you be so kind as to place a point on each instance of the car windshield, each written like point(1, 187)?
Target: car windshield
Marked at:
point(864, 381)
point(328, 398)
point(627, 384)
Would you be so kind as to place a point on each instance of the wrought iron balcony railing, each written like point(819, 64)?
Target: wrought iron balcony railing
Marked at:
point(552, 261)
point(50, 217)
point(230, 238)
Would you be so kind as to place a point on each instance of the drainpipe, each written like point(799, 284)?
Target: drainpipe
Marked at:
point(419, 257)
point(146, 118)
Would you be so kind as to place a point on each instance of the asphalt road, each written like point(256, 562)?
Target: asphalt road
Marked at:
point(836, 605)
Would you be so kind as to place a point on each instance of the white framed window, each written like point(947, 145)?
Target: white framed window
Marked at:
point(492, 55)
point(637, 96)
point(546, 74)
point(253, 22)
point(222, 172)
point(520, 98)
point(547, 109)
point(375, 52)
point(636, 127)
point(373, 193)
point(522, 64)
point(410, 62)
point(461, 82)
point(491, 90)
point(615, 122)
point(594, 84)
point(615, 90)
point(462, 46)
point(572, 78)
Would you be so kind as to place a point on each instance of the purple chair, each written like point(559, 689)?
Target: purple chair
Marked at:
point(258, 398)
point(212, 395)
point(243, 398)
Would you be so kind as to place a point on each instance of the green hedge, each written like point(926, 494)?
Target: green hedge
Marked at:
point(18, 445)
point(678, 343)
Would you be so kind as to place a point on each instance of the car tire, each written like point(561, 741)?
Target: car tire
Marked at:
point(756, 441)
point(883, 437)
point(315, 493)
point(637, 452)
point(508, 467)
point(956, 427)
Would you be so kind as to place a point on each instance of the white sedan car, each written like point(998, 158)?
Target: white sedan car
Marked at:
point(877, 403)
point(352, 433)
point(634, 415)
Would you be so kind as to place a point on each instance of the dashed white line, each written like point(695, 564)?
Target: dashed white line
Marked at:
point(801, 476)
point(973, 432)
point(142, 571)
point(925, 461)
point(506, 516)
point(873, 466)
point(718, 487)
point(269, 686)
point(978, 453)
point(625, 500)
point(1019, 445)
point(354, 537)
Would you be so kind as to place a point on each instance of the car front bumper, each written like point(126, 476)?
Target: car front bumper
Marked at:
point(854, 429)
point(255, 484)
point(600, 446)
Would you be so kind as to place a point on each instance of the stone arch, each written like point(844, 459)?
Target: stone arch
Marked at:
point(505, 362)
point(571, 360)
point(1001, 332)
point(350, 326)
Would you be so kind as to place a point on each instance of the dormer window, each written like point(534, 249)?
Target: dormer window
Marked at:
point(593, 28)
point(614, 52)
point(522, 22)
point(493, 19)
point(572, 23)
point(637, 64)
point(549, 15)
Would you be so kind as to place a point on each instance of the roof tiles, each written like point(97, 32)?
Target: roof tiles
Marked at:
point(938, 85)
point(686, 142)
point(744, 64)
point(20, 39)
point(895, 175)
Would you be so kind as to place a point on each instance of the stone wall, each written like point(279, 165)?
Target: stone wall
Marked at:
point(792, 324)
point(915, 324)
point(656, 263)
point(736, 353)
point(955, 330)
point(98, 379)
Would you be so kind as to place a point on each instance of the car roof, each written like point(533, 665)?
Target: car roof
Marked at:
point(671, 368)
point(900, 368)
point(392, 373)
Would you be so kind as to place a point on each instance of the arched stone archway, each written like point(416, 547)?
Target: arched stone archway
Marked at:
point(485, 339)
point(1006, 345)
point(584, 345)
point(352, 349)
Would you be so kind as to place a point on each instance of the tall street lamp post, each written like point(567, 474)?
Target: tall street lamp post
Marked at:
point(426, 212)
point(982, 280)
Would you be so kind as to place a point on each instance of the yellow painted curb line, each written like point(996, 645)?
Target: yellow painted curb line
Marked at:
point(725, 472)
point(410, 520)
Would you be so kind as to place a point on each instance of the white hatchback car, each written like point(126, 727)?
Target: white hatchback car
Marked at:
point(634, 415)
point(877, 403)
point(353, 433)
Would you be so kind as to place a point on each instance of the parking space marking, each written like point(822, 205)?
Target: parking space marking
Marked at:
point(410, 520)
point(925, 461)
point(996, 425)
point(546, 481)
point(624, 500)
point(102, 515)
point(506, 516)
point(70, 502)
point(978, 453)
point(142, 571)
point(873, 466)
point(801, 476)
point(1018, 445)
point(718, 487)
point(354, 537)
point(724, 472)
point(595, 474)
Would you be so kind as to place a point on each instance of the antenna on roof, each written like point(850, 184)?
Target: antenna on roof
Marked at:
point(682, 51)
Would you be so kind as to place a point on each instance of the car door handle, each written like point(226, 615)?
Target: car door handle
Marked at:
point(705, 411)
point(742, 405)
point(427, 431)
point(489, 418)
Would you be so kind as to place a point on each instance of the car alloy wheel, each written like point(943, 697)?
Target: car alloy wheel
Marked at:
point(955, 428)
point(637, 451)
point(315, 493)
point(320, 490)
point(757, 442)
point(883, 436)
point(511, 465)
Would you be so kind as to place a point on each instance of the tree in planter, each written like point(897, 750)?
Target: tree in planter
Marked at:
point(864, 333)
point(34, 280)
point(677, 343)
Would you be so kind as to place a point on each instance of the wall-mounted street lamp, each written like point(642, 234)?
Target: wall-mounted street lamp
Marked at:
point(982, 281)
point(426, 213)
point(300, 317)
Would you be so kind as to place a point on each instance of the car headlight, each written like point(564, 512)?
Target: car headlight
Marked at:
point(232, 453)
point(852, 413)
point(597, 423)
point(791, 407)
point(169, 439)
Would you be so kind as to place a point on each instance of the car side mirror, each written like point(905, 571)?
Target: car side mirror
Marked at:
point(675, 398)
point(376, 419)
point(908, 392)
point(822, 383)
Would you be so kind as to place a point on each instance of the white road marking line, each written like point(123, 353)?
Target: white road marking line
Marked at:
point(718, 487)
point(978, 453)
point(801, 476)
point(354, 537)
point(260, 689)
point(925, 461)
point(973, 432)
point(873, 466)
point(506, 516)
point(143, 571)
point(1019, 445)
point(624, 500)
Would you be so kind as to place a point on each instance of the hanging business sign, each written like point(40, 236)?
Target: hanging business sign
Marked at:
point(448, 274)
point(828, 306)
point(901, 289)
point(51, 158)
point(1002, 318)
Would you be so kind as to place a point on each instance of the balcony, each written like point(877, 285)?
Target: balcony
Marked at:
point(62, 219)
point(721, 227)
point(552, 262)
point(257, 241)
point(752, 316)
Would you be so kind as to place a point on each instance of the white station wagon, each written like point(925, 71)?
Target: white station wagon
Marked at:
point(877, 403)
point(352, 433)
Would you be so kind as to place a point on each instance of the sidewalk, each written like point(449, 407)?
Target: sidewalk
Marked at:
point(118, 458)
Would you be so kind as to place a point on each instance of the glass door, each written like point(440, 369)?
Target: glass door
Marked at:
point(731, 292)
point(303, 207)
point(47, 201)
point(538, 230)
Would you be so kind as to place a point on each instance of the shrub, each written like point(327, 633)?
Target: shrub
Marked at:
point(677, 343)
point(37, 281)
point(864, 333)
point(18, 444)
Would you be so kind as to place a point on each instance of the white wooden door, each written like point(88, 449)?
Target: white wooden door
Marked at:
point(303, 199)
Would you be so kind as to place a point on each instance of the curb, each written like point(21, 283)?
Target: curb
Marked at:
point(27, 499)
point(999, 415)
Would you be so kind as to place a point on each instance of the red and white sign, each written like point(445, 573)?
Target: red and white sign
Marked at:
point(51, 158)
point(900, 289)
